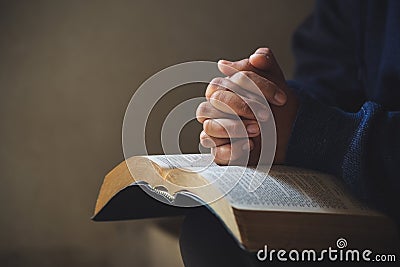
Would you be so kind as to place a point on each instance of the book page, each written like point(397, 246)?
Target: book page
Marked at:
point(284, 188)
point(183, 160)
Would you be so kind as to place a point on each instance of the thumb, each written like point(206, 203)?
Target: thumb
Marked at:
point(263, 59)
point(260, 61)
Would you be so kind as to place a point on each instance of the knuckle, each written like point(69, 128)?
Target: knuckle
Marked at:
point(224, 83)
point(207, 142)
point(203, 136)
point(211, 128)
point(221, 96)
point(217, 84)
point(217, 95)
point(244, 108)
point(224, 99)
point(207, 126)
point(211, 88)
point(217, 81)
point(202, 111)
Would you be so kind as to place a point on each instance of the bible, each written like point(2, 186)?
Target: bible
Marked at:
point(288, 208)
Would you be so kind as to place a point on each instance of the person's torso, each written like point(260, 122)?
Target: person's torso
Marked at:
point(379, 51)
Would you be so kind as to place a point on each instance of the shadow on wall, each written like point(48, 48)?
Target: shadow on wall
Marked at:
point(67, 72)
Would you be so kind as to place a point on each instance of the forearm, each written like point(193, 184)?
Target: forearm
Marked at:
point(361, 148)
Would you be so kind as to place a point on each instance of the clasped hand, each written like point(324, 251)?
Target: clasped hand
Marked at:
point(235, 108)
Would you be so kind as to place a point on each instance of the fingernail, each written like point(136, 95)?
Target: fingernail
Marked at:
point(252, 128)
point(280, 97)
point(262, 115)
point(224, 62)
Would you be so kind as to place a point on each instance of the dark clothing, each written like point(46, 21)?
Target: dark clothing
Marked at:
point(348, 58)
point(348, 78)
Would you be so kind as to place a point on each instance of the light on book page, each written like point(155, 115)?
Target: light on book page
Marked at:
point(174, 166)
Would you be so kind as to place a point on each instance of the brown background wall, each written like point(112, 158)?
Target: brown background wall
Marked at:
point(67, 72)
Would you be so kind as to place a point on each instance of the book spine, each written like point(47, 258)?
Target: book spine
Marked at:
point(163, 193)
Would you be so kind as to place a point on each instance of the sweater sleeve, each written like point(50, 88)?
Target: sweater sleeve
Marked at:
point(337, 130)
point(362, 148)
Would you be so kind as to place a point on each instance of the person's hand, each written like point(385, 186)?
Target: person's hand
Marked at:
point(234, 95)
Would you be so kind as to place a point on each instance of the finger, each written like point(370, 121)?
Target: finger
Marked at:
point(210, 142)
point(225, 84)
point(263, 59)
point(228, 128)
point(232, 103)
point(231, 67)
point(207, 111)
point(259, 85)
point(220, 83)
point(234, 152)
point(261, 62)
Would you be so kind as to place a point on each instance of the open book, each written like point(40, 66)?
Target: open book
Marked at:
point(290, 207)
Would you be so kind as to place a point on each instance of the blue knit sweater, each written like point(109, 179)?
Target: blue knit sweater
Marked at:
point(348, 78)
